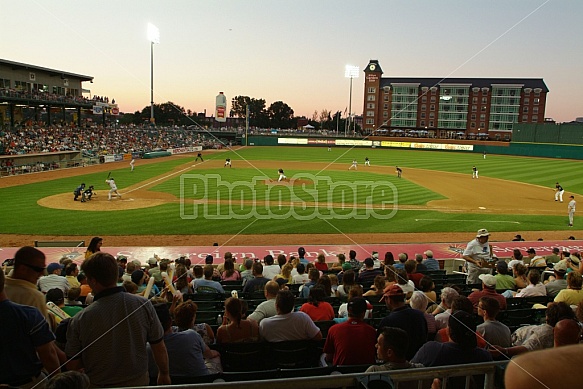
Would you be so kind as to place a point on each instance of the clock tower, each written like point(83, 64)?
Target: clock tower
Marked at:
point(372, 97)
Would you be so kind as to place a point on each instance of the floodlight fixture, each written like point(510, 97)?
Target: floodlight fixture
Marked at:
point(153, 34)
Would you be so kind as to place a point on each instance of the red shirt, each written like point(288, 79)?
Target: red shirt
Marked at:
point(474, 297)
point(323, 311)
point(321, 266)
point(351, 343)
point(415, 277)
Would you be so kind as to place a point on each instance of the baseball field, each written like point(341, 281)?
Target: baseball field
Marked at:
point(177, 201)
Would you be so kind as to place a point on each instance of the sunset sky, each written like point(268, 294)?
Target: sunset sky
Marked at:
point(296, 51)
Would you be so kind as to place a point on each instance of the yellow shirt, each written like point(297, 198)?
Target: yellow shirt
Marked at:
point(23, 292)
point(73, 283)
point(570, 296)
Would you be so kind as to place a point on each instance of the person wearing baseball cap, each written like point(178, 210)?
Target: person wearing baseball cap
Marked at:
point(477, 252)
point(53, 279)
point(488, 289)
point(404, 317)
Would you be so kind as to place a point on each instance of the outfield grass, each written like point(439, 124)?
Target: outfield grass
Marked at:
point(22, 214)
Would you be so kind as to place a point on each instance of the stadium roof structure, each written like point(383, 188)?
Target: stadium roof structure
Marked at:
point(51, 72)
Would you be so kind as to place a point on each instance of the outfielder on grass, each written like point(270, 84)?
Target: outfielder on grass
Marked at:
point(113, 188)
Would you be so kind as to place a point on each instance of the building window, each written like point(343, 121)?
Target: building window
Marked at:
point(472, 125)
point(385, 114)
point(482, 125)
point(526, 100)
point(386, 98)
point(527, 91)
point(474, 100)
point(474, 108)
point(535, 110)
point(431, 123)
point(482, 117)
point(370, 105)
point(385, 106)
point(433, 90)
point(422, 115)
point(372, 89)
point(483, 108)
point(369, 121)
point(370, 98)
point(536, 101)
point(424, 99)
point(422, 123)
point(473, 117)
point(370, 113)
point(4, 83)
point(432, 107)
point(424, 107)
point(431, 115)
point(484, 100)
point(535, 118)
point(525, 109)
point(525, 118)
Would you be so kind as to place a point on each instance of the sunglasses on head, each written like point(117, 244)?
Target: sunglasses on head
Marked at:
point(38, 269)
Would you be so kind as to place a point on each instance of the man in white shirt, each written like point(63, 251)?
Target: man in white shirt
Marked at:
point(477, 252)
point(287, 324)
point(270, 270)
point(53, 279)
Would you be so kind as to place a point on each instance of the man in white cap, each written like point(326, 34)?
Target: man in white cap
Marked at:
point(477, 252)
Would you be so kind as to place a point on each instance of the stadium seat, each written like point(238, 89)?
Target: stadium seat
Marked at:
point(246, 356)
point(294, 354)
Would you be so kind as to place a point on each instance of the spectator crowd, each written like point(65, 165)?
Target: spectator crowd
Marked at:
point(61, 321)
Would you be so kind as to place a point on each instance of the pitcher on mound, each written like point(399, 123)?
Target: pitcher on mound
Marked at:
point(282, 176)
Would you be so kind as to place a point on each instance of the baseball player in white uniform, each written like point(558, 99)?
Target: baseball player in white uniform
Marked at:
point(113, 188)
point(366, 161)
point(281, 175)
point(354, 165)
point(571, 209)
point(474, 172)
point(559, 192)
point(132, 164)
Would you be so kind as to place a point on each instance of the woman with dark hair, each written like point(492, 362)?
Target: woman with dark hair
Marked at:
point(326, 284)
point(235, 329)
point(348, 281)
point(534, 287)
point(182, 283)
point(94, 246)
point(389, 259)
point(427, 286)
point(281, 260)
point(316, 307)
point(71, 273)
point(321, 262)
point(230, 274)
point(377, 288)
point(184, 318)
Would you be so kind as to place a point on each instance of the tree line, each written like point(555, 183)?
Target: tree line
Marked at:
point(277, 115)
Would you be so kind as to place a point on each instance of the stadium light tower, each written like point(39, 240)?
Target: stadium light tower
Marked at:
point(154, 38)
point(350, 72)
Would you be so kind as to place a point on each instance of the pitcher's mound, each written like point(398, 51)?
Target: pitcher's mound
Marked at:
point(288, 182)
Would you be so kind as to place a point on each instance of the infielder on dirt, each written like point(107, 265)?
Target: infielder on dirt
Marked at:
point(113, 188)
point(474, 172)
point(227, 162)
point(366, 161)
point(354, 165)
point(559, 192)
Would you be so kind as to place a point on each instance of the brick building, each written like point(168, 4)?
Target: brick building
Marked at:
point(450, 107)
